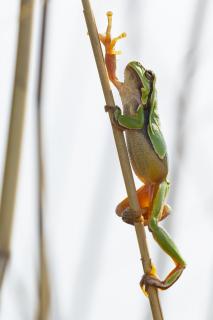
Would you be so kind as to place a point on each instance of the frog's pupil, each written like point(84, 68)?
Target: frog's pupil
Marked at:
point(149, 74)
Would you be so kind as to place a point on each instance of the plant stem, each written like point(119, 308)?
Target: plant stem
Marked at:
point(16, 125)
point(123, 156)
point(43, 286)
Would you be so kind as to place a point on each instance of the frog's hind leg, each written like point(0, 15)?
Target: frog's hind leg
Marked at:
point(165, 242)
point(128, 215)
point(145, 196)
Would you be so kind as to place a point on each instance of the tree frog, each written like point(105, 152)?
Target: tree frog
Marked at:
point(147, 152)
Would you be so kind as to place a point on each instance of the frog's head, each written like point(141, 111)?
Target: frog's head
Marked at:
point(136, 75)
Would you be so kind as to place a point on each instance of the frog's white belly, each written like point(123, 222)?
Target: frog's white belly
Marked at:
point(145, 162)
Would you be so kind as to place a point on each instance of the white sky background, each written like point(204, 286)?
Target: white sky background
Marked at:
point(94, 260)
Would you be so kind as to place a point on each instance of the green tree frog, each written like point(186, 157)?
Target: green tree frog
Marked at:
point(147, 152)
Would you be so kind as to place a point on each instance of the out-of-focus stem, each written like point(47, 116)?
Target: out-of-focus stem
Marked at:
point(43, 288)
point(16, 125)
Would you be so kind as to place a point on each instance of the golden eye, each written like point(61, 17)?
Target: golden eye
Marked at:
point(149, 75)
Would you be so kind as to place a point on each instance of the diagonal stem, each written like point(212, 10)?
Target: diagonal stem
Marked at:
point(123, 156)
point(16, 126)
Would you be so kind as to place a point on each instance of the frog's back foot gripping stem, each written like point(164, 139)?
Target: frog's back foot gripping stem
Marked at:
point(153, 209)
point(110, 52)
point(164, 241)
point(152, 280)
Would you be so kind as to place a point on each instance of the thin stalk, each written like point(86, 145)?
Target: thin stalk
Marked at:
point(44, 291)
point(191, 63)
point(123, 156)
point(16, 125)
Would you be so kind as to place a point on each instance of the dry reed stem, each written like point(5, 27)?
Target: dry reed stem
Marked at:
point(44, 285)
point(123, 156)
point(16, 125)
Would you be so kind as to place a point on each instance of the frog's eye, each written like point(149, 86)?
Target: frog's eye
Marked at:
point(149, 75)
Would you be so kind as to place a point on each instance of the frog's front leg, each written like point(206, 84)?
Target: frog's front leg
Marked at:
point(127, 122)
point(110, 55)
point(165, 242)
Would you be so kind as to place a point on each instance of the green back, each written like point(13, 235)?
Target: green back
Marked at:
point(154, 131)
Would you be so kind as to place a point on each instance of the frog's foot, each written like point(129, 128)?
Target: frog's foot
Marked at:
point(152, 280)
point(110, 56)
point(107, 40)
point(131, 216)
point(153, 275)
point(166, 212)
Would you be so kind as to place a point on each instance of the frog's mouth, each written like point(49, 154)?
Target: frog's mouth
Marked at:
point(130, 91)
point(134, 74)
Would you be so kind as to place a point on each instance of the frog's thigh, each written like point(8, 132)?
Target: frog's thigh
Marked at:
point(145, 194)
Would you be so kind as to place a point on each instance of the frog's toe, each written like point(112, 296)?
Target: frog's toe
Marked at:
point(149, 280)
point(131, 216)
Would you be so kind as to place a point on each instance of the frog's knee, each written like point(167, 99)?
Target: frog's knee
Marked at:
point(153, 225)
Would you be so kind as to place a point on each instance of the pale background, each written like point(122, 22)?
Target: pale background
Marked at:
point(94, 261)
